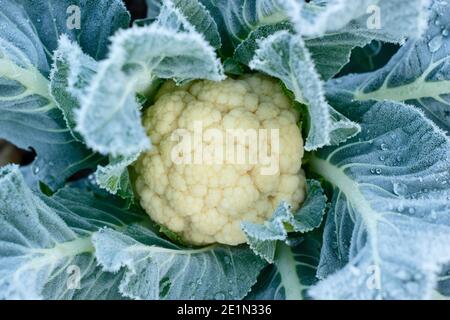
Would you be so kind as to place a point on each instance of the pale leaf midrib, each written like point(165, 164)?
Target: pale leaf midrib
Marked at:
point(412, 91)
point(351, 189)
point(31, 79)
point(290, 280)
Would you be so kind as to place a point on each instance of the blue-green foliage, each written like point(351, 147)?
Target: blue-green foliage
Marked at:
point(73, 89)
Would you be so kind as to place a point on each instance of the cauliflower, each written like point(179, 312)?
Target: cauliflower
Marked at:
point(205, 202)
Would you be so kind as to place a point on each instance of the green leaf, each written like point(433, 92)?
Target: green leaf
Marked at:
point(245, 51)
point(18, 40)
point(388, 225)
point(397, 20)
point(329, 52)
point(418, 74)
point(233, 67)
point(196, 15)
point(334, 28)
point(71, 72)
point(30, 119)
point(78, 20)
point(138, 57)
point(284, 55)
point(331, 28)
point(316, 18)
point(158, 269)
point(332, 51)
point(236, 19)
point(45, 244)
point(263, 238)
point(292, 274)
point(114, 177)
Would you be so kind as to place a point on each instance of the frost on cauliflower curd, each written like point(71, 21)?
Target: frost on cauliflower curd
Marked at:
point(205, 202)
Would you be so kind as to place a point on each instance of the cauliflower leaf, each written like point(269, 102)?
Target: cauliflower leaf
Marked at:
point(71, 72)
point(388, 228)
point(293, 271)
point(29, 117)
point(158, 269)
point(169, 49)
point(284, 55)
point(45, 245)
point(263, 238)
point(423, 82)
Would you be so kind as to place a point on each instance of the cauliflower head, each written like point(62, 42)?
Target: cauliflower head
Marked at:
point(205, 202)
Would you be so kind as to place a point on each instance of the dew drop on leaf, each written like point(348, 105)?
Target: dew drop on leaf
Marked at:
point(219, 296)
point(36, 169)
point(435, 43)
point(400, 189)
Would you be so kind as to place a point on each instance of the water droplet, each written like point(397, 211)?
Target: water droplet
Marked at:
point(400, 189)
point(36, 170)
point(435, 43)
point(383, 146)
point(378, 171)
point(445, 32)
point(411, 210)
point(219, 296)
point(382, 158)
point(372, 171)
